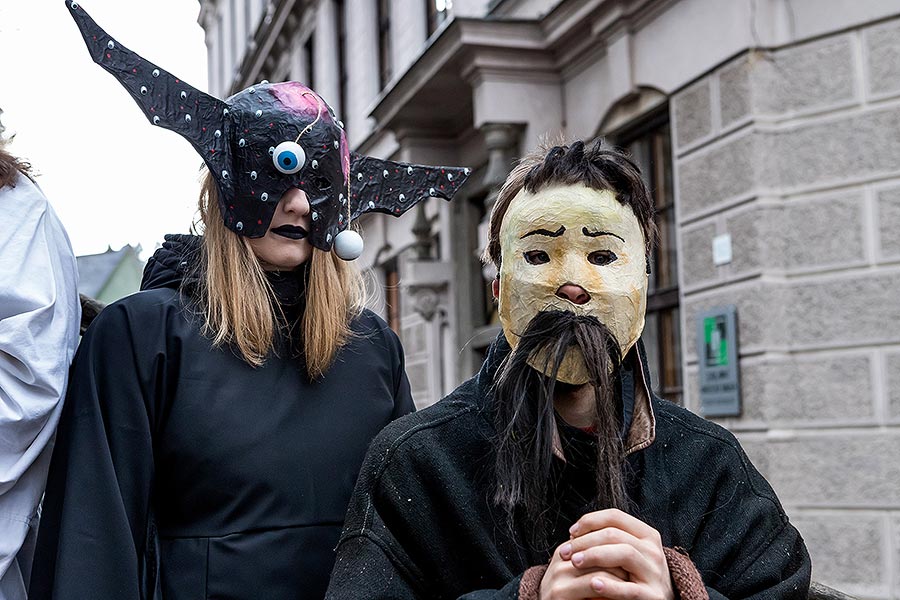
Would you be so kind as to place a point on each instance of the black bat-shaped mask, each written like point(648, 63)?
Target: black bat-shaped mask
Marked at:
point(265, 140)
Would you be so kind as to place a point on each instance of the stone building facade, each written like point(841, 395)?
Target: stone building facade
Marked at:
point(772, 126)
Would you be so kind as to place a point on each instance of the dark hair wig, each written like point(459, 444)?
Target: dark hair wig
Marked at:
point(524, 417)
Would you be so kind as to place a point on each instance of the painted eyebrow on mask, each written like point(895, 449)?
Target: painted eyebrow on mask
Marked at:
point(547, 232)
point(585, 231)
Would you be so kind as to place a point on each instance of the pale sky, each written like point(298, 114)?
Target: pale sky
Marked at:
point(112, 177)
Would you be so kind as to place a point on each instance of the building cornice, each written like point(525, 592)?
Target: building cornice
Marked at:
point(435, 91)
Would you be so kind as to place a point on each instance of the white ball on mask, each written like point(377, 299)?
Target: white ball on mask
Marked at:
point(348, 245)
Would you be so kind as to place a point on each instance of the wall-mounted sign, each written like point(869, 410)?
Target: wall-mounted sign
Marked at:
point(717, 350)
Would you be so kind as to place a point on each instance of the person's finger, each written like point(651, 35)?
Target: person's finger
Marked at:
point(583, 585)
point(612, 517)
point(602, 537)
point(609, 588)
point(621, 556)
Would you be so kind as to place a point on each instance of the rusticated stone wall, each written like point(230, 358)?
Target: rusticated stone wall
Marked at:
point(795, 152)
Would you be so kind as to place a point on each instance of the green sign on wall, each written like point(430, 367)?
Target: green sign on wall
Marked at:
point(720, 390)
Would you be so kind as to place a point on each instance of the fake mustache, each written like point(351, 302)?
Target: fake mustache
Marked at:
point(551, 333)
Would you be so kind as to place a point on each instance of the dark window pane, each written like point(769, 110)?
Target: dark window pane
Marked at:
point(392, 296)
point(438, 12)
point(650, 337)
point(384, 42)
point(650, 149)
point(342, 59)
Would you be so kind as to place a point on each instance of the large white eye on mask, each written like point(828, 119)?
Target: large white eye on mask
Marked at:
point(572, 234)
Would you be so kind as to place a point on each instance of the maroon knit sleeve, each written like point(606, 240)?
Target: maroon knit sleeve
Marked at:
point(530, 585)
point(685, 577)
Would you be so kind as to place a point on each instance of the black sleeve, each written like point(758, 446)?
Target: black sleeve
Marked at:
point(93, 539)
point(376, 559)
point(403, 400)
point(744, 546)
point(781, 569)
point(364, 569)
point(768, 559)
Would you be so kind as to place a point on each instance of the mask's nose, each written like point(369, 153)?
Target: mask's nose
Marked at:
point(573, 293)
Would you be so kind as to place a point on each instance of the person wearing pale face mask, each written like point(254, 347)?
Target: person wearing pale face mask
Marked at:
point(555, 473)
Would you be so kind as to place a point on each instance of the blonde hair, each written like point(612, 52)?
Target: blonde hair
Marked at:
point(238, 304)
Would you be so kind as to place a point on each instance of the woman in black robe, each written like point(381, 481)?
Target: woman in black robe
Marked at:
point(216, 421)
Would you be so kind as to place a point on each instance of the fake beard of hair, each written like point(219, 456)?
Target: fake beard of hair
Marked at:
point(525, 420)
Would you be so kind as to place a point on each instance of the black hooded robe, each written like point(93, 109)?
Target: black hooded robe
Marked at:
point(421, 525)
point(182, 472)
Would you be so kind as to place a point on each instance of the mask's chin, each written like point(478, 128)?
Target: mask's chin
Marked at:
point(572, 370)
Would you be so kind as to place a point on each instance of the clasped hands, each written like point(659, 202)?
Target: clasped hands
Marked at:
point(611, 555)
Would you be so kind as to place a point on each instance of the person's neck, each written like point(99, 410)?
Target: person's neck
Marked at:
point(575, 404)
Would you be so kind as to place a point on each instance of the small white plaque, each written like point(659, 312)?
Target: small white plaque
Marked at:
point(721, 247)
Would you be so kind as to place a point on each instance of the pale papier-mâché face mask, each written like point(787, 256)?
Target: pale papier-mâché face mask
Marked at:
point(573, 234)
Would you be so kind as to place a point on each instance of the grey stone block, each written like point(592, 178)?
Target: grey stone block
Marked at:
point(755, 392)
point(831, 151)
point(846, 548)
point(841, 469)
point(883, 52)
point(693, 114)
point(824, 152)
point(752, 240)
point(888, 219)
point(718, 174)
point(822, 232)
point(696, 255)
point(855, 310)
point(735, 99)
point(893, 384)
point(895, 560)
point(808, 76)
point(808, 390)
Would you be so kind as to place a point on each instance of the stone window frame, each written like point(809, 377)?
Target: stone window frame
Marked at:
point(649, 141)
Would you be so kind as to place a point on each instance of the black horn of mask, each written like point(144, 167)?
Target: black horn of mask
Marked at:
point(266, 139)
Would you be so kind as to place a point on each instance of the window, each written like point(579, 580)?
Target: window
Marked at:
point(309, 61)
point(392, 295)
point(220, 56)
point(438, 12)
point(232, 35)
point(384, 43)
point(342, 59)
point(650, 148)
point(249, 25)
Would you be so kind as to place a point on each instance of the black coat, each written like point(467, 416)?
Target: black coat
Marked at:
point(181, 469)
point(421, 526)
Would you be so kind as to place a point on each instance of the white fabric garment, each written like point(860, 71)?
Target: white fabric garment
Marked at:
point(39, 323)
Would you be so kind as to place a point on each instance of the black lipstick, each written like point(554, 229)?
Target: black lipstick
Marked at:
point(293, 232)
